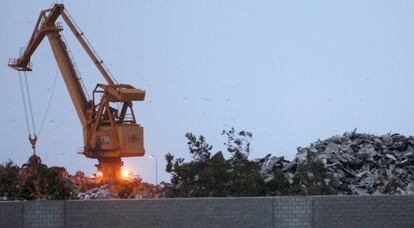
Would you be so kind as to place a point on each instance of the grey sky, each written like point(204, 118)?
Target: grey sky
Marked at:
point(289, 71)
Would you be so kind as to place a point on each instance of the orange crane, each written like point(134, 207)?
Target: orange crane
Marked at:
point(109, 133)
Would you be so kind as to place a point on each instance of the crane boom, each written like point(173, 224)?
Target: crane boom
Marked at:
point(39, 32)
point(46, 26)
point(69, 75)
point(109, 133)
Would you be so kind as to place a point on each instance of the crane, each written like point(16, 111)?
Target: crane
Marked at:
point(109, 133)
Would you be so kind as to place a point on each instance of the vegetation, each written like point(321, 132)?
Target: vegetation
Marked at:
point(214, 176)
point(206, 174)
point(9, 173)
point(32, 183)
point(311, 179)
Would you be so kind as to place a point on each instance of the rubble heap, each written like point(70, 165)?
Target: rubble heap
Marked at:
point(131, 190)
point(101, 192)
point(355, 163)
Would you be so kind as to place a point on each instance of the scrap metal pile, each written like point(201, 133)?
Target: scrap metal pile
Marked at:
point(355, 163)
point(88, 188)
point(132, 190)
point(34, 181)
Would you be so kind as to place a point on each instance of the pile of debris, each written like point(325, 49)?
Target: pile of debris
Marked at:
point(127, 190)
point(34, 180)
point(355, 163)
point(101, 192)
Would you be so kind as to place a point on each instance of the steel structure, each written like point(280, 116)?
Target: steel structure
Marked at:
point(109, 133)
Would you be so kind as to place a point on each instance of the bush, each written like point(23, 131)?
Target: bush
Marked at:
point(214, 176)
point(33, 182)
point(9, 176)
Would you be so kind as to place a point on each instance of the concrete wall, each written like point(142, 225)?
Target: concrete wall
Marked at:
point(318, 211)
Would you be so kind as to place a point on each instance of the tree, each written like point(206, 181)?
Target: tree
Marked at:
point(238, 144)
point(9, 173)
point(215, 176)
point(191, 179)
point(279, 185)
point(199, 148)
point(46, 183)
point(244, 174)
point(311, 179)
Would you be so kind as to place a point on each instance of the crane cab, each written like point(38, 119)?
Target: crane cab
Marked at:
point(112, 131)
point(126, 141)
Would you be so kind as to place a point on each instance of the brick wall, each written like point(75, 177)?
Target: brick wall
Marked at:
point(11, 214)
point(317, 211)
point(368, 211)
point(47, 213)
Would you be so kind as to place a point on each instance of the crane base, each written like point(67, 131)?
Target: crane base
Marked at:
point(109, 168)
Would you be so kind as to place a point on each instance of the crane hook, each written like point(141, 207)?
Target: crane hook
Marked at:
point(33, 142)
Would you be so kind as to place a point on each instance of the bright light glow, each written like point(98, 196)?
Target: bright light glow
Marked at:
point(125, 174)
point(100, 174)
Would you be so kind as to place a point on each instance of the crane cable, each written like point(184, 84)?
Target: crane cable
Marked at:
point(30, 103)
point(48, 103)
point(24, 90)
point(28, 108)
point(24, 104)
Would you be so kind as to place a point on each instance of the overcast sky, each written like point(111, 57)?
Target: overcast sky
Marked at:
point(288, 71)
